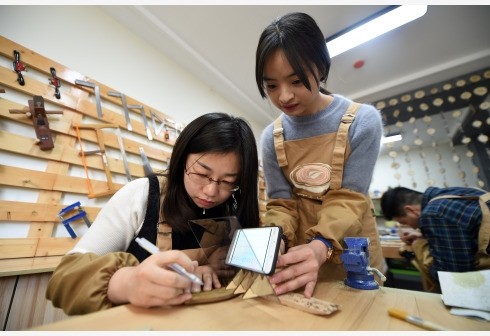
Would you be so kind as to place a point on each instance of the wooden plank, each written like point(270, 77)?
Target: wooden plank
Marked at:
point(21, 145)
point(14, 211)
point(18, 266)
point(66, 75)
point(33, 87)
point(33, 179)
point(7, 287)
point(54, 246)
point(30, 307)
point(61, 125)
point(18, 247)
point(11, 248)
point(53, 197)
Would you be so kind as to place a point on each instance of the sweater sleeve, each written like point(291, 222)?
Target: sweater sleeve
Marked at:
point(80, 282)
point(340, 216)
point(365, 140)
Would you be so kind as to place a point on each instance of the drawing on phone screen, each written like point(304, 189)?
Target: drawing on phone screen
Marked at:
point(255, 249)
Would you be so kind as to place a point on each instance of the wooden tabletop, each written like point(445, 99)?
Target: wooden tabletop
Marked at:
point(391, 248)
point(360, 310)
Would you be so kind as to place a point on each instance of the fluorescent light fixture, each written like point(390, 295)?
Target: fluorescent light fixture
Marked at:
point(373, 26)
point(391, 138)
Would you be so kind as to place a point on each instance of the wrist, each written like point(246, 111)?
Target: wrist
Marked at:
point(327, 244)
point(116, 290)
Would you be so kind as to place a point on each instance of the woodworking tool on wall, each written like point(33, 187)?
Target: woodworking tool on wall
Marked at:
point(167, 132)
point(156, 129)
point(123, 154)
point(80, 214)
point(356, 261)
point(55, 81)
point(146, 164)
point(100, 139)
point(19, 67)
point(145, 121)
point(125, 107)
point(40, 122)
point(96, 92)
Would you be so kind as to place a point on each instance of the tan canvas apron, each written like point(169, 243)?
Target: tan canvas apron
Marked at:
point(164, 236)
point(333, 150)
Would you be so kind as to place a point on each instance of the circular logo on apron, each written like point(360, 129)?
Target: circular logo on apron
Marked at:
point(313, 177)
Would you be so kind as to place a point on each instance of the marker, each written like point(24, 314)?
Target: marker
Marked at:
point(144, 243)
point(403, 315)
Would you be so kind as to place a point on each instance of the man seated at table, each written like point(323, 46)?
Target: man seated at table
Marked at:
point(450, 228)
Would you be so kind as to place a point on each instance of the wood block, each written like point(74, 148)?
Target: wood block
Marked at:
point(237, 279)
point(246, 282)
point(260, 287)
point(312, 305)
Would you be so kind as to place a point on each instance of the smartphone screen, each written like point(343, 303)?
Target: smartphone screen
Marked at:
point(255, 249)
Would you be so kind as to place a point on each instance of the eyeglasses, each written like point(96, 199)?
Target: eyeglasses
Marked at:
point(205, 179)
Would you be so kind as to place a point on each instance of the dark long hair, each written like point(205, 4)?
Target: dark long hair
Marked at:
point(302, 41)
point(213, 133)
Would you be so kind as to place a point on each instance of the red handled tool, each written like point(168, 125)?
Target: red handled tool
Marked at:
point(19, 67)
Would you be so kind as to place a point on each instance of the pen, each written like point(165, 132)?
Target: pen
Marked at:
point(403, 315)
point(144, 243)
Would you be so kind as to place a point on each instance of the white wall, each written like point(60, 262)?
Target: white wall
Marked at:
point(85, 39)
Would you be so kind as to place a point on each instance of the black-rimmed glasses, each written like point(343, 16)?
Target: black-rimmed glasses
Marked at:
point(203, 179)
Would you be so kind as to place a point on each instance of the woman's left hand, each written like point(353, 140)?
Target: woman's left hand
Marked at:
point(300, 266)
point(208, 277)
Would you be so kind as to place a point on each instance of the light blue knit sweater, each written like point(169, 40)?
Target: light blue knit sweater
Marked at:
point(364, 138)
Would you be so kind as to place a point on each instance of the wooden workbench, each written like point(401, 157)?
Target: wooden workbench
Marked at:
point(391, 248)
point(361, 310)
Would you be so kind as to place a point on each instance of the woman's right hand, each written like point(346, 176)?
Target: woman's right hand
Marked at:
point(151, 283)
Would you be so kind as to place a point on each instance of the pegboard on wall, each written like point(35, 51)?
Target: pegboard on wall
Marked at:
point(101, 138)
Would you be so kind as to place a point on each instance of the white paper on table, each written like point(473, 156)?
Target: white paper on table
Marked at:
point(466, 290)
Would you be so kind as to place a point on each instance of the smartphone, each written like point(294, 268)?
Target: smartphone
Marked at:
point(255, 249)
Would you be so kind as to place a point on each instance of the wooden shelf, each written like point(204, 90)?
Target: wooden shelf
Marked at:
point(21, 266)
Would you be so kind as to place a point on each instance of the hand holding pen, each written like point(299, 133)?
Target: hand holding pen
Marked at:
point(175, 267)
point(152, 283)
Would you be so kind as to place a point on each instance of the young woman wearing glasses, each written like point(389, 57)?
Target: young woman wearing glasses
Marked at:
point(213, 172)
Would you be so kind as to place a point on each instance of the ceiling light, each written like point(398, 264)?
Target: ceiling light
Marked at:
point(391, 138)
point(373, 26)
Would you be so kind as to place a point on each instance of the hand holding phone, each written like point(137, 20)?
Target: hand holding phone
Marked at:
point(255, 249)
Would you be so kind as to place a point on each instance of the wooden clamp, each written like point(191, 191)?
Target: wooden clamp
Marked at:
point(40, 122)
point(100, 140)
point(80, 214)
